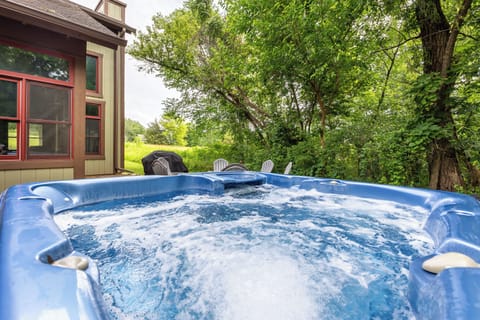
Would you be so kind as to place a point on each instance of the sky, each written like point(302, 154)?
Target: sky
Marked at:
point(144, 93)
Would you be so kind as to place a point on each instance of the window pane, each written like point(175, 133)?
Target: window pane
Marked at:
point(48, 139)
point(8, 137)
point(33, 63)
point(8, 99)
point(49, 103)
point(35, 135)
point(92, 62)
point(92, 110)
point(92, 142)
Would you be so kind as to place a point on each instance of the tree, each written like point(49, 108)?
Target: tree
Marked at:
point(154, 133)
point(133, 129)
point(310, 53)
point(169, 130)
point(174, 130)
point(266, 63)
point(193, 52)
point(329, 84)
point(439, 37)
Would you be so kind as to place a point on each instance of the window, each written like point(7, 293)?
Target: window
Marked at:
point(48, 120)
point(93, 70)
point(35, 104)
point(93, 129)
point(33, 63)
point(8, 118)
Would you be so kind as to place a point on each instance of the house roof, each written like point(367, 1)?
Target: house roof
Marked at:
point(68, 18)
point(107, 21)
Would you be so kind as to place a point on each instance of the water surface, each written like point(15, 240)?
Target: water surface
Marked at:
point(254, 253)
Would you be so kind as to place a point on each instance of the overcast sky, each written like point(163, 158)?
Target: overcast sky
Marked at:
point(144, 93)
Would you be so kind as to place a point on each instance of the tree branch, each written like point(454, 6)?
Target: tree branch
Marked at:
point(454, 31)
point(469, 36)
point(398, 44)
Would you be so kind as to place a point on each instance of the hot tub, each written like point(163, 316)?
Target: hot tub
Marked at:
point(31, 242)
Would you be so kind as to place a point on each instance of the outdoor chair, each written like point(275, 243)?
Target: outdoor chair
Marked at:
point(161, 167)
point(267, 166)
point(288, 168)
point(235, 167)
point(219, 164)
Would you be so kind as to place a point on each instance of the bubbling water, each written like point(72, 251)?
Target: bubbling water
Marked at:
point(253, 253)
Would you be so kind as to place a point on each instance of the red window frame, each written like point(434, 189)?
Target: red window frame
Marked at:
point(101, 138)
point(13, 119)
point(22, 80)
point(98, 92)
point(29, 120)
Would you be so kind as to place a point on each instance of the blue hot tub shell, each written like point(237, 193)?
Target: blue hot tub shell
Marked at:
point(32, 288)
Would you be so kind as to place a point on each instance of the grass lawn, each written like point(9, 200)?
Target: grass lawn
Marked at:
point(196, 159)
point(134, 152)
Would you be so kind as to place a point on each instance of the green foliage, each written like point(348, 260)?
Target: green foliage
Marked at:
point(339, 88)
point(133, 129)
point(168, 130)
point(174, 130)
point(425, 89)
point(154, 133)
point(421, 134)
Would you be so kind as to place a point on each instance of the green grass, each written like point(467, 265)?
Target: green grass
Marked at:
point(197, 159)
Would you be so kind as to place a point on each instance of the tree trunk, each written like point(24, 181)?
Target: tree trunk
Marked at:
point(443, 165)
point(438, 43)
point(322, 111)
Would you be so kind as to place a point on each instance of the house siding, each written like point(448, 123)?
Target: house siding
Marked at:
point(107, 98)
point(14, 171)
point(42, 32)
point(115, 11)
point(13, 177)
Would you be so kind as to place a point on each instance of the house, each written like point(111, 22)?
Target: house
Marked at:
point(61, 90)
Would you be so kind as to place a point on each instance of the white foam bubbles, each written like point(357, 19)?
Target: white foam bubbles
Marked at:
point(266, 286)
point(276, 261)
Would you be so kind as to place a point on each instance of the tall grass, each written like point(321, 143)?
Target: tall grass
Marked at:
point(197, 159)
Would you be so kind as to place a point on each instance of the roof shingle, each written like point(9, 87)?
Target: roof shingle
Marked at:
point(70, 15)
